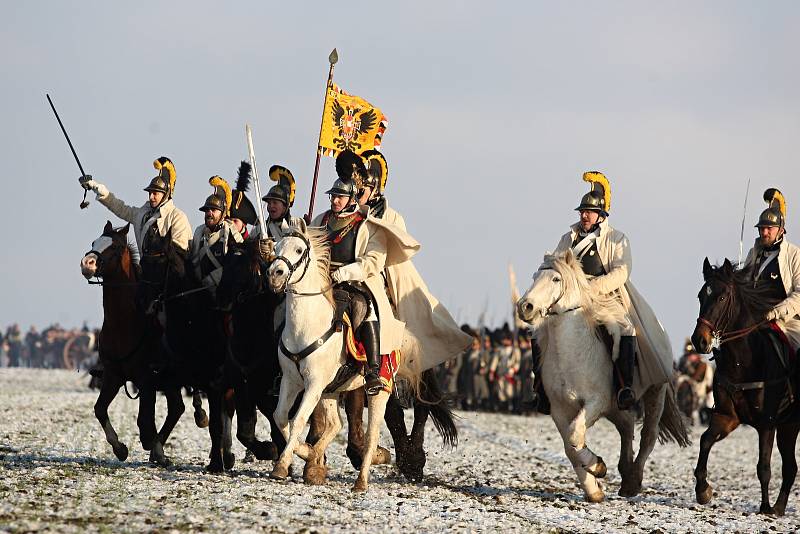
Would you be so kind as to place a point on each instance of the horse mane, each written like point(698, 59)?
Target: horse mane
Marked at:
point(318, 238)
point(599, 308)
point(757, 300)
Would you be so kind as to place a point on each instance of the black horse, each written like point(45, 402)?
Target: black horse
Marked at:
point(128, 343)
point(753, 384)
point(192, 342)
point(251, 365)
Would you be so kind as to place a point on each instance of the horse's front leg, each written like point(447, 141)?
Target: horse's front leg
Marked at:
point(653, 410)
point(588, 466)
point(216, 430)
point(623, 421)
point(108, 391)
point(175, 408)
point(377, 409)
point(721, 425)
point(787, 438)
point(766, 438)
point(200, 415)
point(328, 425)
point(289, 390)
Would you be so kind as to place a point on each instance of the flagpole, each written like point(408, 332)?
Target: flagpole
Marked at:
point(332, 59)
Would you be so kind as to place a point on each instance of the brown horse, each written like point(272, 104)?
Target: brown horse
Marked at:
point(751, 383)
point(127, 344)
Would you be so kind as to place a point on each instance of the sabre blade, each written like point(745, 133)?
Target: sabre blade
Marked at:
point(744, 215)
point(261, 223)
point(84, 203)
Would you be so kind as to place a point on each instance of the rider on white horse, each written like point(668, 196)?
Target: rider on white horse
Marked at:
point(437, 336)
point(359, 248)
point(156, 217)
point(605, 257)
point(213, 238)
point(776, 264)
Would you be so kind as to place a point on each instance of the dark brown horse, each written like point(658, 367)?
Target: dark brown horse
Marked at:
point(751, 384)
point(128, 343)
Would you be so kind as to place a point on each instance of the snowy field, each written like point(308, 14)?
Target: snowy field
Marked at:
point(508, 474)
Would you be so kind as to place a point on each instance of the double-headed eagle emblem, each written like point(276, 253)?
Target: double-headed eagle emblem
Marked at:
point(351, 122)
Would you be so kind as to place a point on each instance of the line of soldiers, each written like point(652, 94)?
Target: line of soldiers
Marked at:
point(362, 230)
point(44, 349)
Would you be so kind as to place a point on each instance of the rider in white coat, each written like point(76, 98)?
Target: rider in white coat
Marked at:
point(776, 264)
point(605, 256)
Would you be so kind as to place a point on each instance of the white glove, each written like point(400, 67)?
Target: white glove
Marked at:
point(348, 273)
point(100, 190)
point(773, 315)
point(89, 184)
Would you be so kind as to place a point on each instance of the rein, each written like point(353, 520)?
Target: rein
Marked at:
point(719, 333)
point(305, 259)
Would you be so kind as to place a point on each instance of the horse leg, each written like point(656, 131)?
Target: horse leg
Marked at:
point(200, 415)
point(766, 438)
point(415, 463)
point(292, 432)
point(623, 420)
point(376, 410)
point(653, 409)
point(228, 458)
point(246, 420)
point(146, 421)
point(584, 461)
point(721, 425)
point(175, 408)
point(354, 402)
point(329, 424)
point(396, 423)
point(787, 438)
point(108, 391)
point(216, 425)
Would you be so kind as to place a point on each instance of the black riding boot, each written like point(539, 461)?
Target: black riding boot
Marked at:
point(369, 336)
point(539, 398)
point(341, 299)
point(625, 365)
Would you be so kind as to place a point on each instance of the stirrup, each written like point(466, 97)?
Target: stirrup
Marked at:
point(372, 383)
point(626, 398)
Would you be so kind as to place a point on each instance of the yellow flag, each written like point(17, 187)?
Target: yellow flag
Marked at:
point(350, 122)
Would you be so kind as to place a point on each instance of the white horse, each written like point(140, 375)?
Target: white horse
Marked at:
point(577, 374)
point(311, 352)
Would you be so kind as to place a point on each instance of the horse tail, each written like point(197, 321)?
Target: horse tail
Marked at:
point(438, 404)
point(672, 425)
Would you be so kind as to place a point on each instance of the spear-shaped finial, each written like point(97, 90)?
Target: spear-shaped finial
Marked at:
point(334, 57)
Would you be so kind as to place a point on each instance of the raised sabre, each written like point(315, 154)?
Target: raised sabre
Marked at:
point(84, 202)
point(252, 154)
point(744, 214)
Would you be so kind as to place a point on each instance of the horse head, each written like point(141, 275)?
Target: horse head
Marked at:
point(299, 251)
point(556, 288)
point(241, 274)
point(107, 254)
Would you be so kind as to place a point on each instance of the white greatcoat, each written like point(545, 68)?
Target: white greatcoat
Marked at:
point(434, 335)
point(654, 355)
point(167, 217)
point(788, 310)
point(203, 240)
point(379, 245)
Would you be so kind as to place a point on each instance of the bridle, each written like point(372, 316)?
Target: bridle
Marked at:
point(304, 260)
point(718, 333)
point(549, 312)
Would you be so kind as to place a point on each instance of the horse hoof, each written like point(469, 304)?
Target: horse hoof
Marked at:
point(595, 497)
point(766, 510)
point(121, 452)
point(201, 418)
point(249, 457)
point(381, 457)
point(228, 460)
point(355, 456)
point(265, 451)
point(279, 473)
point(704, 495)
point(629, 490)
point(359, 487)
point(215, 467)
point(161, 461)
point(315, 475)
point(599, 470)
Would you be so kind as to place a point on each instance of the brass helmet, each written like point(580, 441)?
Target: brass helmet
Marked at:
point(775, 214)
point(221, 198)
point(599, 196)
point(241, 207)
point(377, 170)
point(164, 182)
point(284, 189)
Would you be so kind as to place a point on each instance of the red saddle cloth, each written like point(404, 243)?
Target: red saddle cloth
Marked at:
point(356, 353)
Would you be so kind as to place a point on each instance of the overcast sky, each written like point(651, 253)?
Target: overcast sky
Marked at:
point(495, 110)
